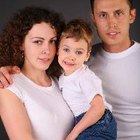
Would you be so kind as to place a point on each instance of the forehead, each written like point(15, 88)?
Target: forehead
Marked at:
point(110, 5)
point(42, 29)
point(72, 42)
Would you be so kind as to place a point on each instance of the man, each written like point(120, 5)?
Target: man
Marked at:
point(116, 61)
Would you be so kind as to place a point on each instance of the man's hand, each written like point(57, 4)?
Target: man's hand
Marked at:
point(5, 78)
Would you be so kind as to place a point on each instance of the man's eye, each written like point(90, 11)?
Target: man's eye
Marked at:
point(119, 13)
point(103, 15)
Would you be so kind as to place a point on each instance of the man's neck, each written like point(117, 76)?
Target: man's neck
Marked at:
point(118, 47)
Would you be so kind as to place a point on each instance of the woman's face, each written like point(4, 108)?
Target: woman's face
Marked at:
point(39, 47)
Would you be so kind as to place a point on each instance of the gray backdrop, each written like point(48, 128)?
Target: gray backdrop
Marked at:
point(69, 8)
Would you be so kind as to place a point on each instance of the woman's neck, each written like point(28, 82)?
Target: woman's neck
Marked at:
point(38, 77)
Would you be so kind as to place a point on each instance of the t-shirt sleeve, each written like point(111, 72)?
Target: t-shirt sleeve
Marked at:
point(91, 85)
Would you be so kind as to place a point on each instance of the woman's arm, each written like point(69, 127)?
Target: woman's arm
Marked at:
point(5, 78)
point(14, 116)
point(94, 113)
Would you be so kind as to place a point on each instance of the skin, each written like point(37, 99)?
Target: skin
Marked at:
point(39, 49)
point(71, 55)
point(112, 20)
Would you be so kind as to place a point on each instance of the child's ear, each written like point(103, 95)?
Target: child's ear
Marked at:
point(88, 55)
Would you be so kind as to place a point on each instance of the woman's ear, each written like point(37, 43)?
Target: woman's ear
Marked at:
point(22, 47)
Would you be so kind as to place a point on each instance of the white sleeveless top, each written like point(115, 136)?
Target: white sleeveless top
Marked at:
point(50, 117)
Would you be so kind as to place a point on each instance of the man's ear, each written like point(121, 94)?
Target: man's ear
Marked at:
point(93, 19)
point(132, 15)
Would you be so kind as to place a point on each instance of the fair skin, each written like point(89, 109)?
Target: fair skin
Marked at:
point(39, 50)
point(71, 55)
point(112, 20)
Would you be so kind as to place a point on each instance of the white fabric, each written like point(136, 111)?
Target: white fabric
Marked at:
point(50, 117)
point(79, 88)
point(120, 74)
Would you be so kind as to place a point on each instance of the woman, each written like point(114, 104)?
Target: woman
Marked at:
point(32, 107)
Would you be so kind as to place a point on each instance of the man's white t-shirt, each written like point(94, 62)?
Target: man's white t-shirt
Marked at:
point(120, 75)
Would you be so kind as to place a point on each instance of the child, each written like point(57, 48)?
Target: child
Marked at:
point(81, 88)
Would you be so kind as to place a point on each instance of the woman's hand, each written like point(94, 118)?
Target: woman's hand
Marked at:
point(5, 78)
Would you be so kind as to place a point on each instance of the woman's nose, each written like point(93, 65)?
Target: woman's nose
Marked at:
point(46, 49)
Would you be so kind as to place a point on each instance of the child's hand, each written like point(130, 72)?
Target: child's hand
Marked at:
point(71, 137)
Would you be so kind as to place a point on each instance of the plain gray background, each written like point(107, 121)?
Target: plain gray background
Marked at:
point(68, 8)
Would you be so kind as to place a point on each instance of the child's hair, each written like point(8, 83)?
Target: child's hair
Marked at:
point(13, 35)
point(78, 29)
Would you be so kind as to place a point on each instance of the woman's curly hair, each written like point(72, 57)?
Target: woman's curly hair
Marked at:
point(17, 28)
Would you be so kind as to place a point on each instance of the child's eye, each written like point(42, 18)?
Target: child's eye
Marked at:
point(79, 52)
point(66, 49)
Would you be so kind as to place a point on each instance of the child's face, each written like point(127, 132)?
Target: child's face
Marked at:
point(39, 47)
point(72, 54)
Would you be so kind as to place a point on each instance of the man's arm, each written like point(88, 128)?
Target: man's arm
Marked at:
point(5, 78)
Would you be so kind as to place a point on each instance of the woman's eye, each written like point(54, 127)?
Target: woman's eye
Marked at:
point(53, 41)
point(38, 42)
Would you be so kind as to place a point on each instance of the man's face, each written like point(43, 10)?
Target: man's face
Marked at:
point(112, 19)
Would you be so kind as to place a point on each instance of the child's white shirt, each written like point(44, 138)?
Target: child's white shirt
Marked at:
point(79, 88)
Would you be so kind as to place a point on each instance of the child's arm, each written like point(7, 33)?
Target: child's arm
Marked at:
point(94, 113)
point(14, 116)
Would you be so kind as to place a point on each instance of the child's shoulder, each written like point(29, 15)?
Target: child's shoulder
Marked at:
point(88, 73)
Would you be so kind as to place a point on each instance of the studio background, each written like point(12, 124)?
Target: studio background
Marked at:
point(69, 9)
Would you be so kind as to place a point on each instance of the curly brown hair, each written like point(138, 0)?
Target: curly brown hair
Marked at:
point(17, 28)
